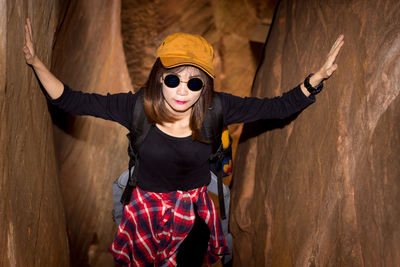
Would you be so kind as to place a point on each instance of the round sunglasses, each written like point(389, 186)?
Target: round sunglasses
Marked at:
point(194, 84)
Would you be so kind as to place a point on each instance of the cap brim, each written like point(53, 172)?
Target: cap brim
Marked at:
point(172, 62)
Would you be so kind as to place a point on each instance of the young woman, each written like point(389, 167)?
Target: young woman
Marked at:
point(170, 201)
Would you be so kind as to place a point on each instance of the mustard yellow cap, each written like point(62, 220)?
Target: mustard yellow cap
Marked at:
point(180, 49)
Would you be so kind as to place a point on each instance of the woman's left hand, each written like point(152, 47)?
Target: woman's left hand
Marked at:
point(329, 66)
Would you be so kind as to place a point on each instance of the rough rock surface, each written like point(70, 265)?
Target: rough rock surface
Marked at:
point(323, 190)
point(88, 56)
point(32, 220)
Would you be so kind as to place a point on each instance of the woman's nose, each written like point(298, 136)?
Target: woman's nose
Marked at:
point(182, 89)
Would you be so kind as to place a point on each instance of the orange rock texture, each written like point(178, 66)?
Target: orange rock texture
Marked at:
point(323, 190)
point(88, 56)
point(32, 217)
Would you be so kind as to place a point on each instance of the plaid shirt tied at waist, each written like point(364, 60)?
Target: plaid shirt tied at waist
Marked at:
point(153, 226)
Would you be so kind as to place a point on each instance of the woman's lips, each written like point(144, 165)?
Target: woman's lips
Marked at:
point(181, 102)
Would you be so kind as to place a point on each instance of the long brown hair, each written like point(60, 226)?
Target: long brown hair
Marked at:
point(154, 105)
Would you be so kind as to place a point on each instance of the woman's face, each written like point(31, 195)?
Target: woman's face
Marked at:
point(180, 100)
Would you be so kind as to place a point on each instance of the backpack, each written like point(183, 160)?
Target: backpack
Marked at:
point(212, 130)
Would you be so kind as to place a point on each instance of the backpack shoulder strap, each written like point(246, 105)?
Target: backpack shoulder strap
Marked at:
point(140, 124)
point(140, 128)
point(213, 123)
point(212, 131)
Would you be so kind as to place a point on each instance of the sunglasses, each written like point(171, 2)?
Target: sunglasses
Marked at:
point(194, 84)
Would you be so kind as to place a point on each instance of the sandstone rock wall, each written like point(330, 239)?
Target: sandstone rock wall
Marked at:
point(88, 56)
point(32, 220)
point(323, 190)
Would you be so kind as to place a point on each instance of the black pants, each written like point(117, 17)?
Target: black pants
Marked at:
point(193, 249)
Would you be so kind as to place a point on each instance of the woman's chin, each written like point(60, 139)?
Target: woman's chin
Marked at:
point(179, 109)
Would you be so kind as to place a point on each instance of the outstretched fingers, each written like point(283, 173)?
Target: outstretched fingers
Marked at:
point(337, 43)
point(329, 67)
point(28, 32)
point(28, 47)
point(28, 22)
point(335, 49)
point(27, 37)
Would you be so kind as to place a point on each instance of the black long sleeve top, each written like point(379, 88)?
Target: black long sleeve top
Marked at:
point(169, 163)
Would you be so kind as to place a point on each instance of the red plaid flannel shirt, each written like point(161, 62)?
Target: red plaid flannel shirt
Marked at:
point(155, 224)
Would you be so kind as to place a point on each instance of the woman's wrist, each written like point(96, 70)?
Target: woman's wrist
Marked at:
point(304, 90)
point(36, 62)
point(312, 85)
point(316, 79)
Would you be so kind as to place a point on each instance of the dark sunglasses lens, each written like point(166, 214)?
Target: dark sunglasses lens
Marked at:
point(195, 84)
point(171, 80)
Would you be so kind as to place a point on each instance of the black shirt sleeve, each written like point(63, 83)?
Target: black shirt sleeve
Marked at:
point(115, 107)
point(248, 109)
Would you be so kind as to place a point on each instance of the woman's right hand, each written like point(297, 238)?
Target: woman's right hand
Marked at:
point(29, 48)
point(51, 84)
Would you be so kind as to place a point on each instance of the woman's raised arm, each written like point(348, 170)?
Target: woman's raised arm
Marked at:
point(51, 84)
